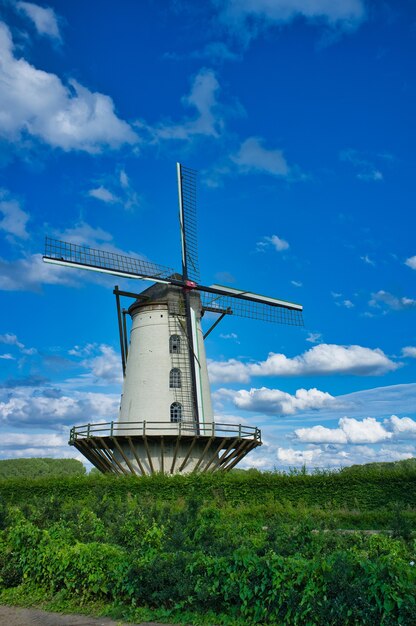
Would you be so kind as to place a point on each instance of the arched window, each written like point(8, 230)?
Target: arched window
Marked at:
point(175, 378)
point(176, 412)
point(174, 344)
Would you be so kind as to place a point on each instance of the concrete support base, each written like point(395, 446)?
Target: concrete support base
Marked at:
point(144, 455)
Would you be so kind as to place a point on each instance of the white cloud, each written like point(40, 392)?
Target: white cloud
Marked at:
point(366, 169)
point(21, 440)
point(411, 262)
point(247, 17)
point(279, 402)
point(409, 351)
point(7, 357)
point(14, 218)
point(314, 337)
point(359, 431)
point(349, 430)
point(289, 456)
point(116, 190)
point(276, 242)
point(10, 339)
point(44, 19)
point(367, 260)
point(402, 425)
point(203, 99)
point(68, 117)
point(323, 359)
point(229, 336)
point(228, 371)
point(103, 194)
point(252, 156)
point(31, 407)
point(296, 283)
point(396, 303)
point(29, 273)
point(106, 366)
point(348, 304)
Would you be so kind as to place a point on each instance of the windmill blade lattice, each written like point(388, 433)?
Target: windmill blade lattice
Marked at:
point(232, 305)
point(65, 253)
point(187, 209)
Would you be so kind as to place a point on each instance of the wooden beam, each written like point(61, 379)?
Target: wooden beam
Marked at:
point(188, 453)
point(119, 448)
point(133, 449)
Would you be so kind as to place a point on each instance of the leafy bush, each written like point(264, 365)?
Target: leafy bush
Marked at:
point(191, 544)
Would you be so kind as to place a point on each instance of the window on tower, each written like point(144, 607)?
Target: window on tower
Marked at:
point(174, 344)
point(176, 412)
point(175, 378)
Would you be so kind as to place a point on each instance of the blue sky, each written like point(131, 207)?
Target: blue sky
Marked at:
point(299, 117)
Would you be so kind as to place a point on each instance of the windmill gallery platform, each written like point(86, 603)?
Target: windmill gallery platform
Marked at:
point(166, 422)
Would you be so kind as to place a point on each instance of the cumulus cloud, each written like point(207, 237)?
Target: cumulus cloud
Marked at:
point(10, 339)
point(290, 456)
point(30, 407)
point(30, 272)
point(68, 117)
point(401, 425)
point(332, 455)
point(411, 262)
point(105, 366)
point(384, 299)
point(322, 359)
point(409, 351)
point(278, 402)
point(14, 219)
point(349, 430)
point(203, 100)
point(252, 156)
point(22, 440)
point(44, 19)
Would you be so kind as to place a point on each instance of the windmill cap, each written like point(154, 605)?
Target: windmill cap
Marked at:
point(164, 294)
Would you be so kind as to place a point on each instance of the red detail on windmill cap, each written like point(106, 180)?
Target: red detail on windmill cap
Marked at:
point(190, 284)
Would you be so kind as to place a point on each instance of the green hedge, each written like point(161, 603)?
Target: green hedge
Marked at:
point(369, 490)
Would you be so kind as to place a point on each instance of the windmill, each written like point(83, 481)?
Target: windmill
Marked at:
point(166, 422)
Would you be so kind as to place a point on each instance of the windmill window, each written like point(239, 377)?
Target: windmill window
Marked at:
point(176, 412)
point(175, 378)
point(174, 344)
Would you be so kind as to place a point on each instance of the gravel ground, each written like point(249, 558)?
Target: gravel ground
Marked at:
point(14, 616)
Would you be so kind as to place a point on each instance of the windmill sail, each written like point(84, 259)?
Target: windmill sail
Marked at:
point(73, 255)
point(187, 220)
point(219, 299)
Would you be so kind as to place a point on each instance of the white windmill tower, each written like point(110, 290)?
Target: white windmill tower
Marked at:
point(166, 423)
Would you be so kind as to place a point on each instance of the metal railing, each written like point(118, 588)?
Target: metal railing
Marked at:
point(145, 428)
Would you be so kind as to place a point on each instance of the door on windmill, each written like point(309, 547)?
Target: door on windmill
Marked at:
point(176, 412)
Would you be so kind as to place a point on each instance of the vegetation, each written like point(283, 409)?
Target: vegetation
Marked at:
point(38, 467)
point(238, 549)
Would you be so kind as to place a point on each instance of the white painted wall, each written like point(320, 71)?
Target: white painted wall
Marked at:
point(146, 392)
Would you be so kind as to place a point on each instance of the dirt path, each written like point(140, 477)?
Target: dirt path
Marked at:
point(14, 616)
